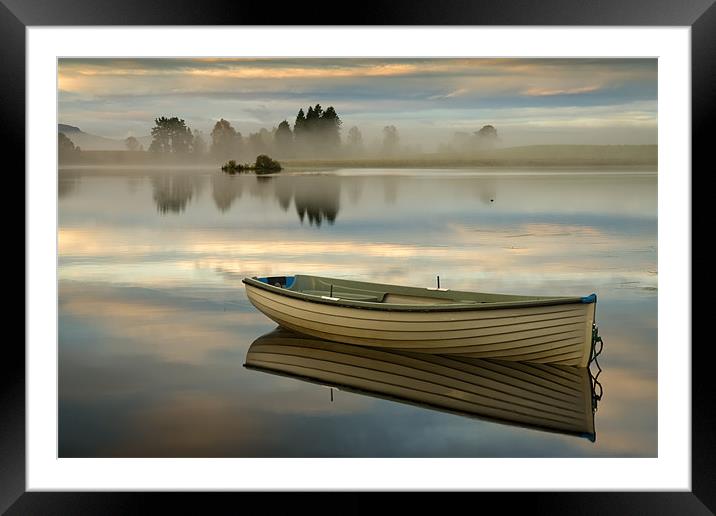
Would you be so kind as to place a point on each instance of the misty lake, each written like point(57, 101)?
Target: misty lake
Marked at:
point(155, 326)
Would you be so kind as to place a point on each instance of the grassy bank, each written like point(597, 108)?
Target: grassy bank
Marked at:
point(531, 156)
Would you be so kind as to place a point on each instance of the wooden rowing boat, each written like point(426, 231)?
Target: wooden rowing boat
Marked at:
point(554, 330)
point(538, 396)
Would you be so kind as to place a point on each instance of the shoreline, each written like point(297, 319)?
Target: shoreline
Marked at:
point(530, 156)
point(376, 164)
point(447, 172)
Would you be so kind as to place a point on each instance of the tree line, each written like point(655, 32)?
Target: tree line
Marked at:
point(316, 132)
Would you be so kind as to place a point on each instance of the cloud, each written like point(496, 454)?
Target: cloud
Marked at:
point(442, 93)
point(543, 92)
point(455, 93)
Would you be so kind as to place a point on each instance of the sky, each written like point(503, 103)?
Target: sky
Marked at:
point(529, 101)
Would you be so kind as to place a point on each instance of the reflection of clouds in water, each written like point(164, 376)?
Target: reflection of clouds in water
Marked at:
point(390, 189)
point(522, 257)
point(174, 328)
point(627, 415)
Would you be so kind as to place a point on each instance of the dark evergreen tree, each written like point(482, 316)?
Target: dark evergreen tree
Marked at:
point(317, 132)
point(300, 131)
point(310, 118)
point(330, 129)
point(317, 114)
point(300, 121)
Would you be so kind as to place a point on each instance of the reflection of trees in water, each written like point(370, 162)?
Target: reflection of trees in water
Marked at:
point(317, 198)
point(67, 185)
point(284, 193)
point(390, 189)
point(225, 189)
point(133, 184)
point(261, 187)
point(68, 181)
point(355, 188)
point(173, 192)
point(486, 190)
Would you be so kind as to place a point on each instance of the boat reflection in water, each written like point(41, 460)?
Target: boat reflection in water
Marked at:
point(540, 396)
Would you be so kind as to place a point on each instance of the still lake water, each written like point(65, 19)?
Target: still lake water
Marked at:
point(154, 324)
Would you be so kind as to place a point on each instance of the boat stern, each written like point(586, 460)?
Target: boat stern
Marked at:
point(591, 308)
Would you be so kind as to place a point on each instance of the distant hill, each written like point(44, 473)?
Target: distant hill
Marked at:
point(87, 141)
point(67, 129)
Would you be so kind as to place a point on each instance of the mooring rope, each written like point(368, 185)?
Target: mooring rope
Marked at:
point(597, 390)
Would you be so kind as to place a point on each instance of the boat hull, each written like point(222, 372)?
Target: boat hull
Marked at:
point(556, 334)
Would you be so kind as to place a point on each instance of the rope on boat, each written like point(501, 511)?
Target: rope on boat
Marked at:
point(597, 390)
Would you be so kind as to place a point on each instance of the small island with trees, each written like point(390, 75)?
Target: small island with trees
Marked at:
point(263, 165)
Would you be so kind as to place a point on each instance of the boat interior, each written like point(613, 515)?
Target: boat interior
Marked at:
point(336, 289)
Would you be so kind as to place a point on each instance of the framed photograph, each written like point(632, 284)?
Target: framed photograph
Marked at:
point(445, 249)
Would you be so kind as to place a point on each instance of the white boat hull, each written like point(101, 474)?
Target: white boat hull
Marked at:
point(556, 334)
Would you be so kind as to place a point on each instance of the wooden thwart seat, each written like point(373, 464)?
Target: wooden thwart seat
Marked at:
point(353, 296)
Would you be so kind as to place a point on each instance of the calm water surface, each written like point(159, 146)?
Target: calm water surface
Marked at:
point(154, 324)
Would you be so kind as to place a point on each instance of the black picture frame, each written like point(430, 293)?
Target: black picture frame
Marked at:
point(16, 15)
